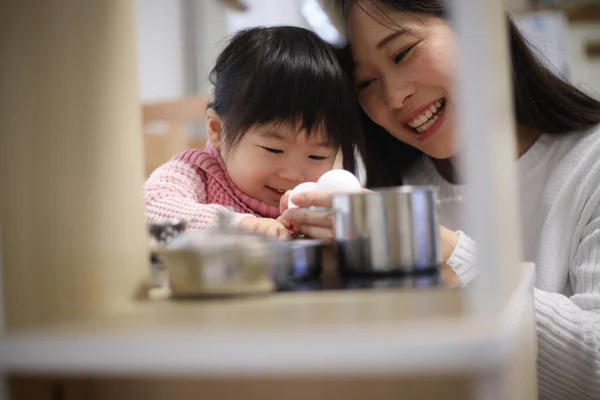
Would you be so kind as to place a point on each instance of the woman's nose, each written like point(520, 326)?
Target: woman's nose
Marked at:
point(396, 93)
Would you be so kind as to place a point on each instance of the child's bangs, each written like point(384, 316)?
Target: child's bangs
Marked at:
point(286, 76)
point(304, 99)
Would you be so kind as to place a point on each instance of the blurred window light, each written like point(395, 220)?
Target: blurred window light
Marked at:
point(320, 23)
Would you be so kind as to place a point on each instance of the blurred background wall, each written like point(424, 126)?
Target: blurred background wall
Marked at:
point(178, 41)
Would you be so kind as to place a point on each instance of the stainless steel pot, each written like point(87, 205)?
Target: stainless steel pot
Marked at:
point(388, 231)
point(162, 233)
point(219, 261)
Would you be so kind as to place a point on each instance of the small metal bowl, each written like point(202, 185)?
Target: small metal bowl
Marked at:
point(235, 271)
point(219, 261)
point(298, 260)
point(161, 233)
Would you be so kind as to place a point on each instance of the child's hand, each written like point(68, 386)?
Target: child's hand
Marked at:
point(266, 226)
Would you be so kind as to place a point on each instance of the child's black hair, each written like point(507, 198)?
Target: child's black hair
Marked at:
point(284, 74)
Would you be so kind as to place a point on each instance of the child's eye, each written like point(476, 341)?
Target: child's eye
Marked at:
point(274, 151)
point(318, 158)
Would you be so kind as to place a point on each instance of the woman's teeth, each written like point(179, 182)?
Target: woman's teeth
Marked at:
point(428, 124)
point(428, 117)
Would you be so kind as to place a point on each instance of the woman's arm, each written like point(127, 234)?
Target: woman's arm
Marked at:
point(568, 328)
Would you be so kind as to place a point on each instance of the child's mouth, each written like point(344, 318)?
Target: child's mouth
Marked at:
point(279, 192)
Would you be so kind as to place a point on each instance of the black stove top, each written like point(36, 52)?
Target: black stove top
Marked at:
point(418, 281)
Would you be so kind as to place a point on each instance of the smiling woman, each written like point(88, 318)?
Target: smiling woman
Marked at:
point(282, 109)
point(403, 60)
point(403, 57)
point(417, 109)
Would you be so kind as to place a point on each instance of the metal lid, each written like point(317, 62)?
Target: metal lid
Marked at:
point(222, 238)
point(165, 231)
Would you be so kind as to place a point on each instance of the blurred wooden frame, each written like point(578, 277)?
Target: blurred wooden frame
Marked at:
point(165, 127)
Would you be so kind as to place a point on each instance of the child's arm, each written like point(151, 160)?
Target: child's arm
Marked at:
point(176, 191)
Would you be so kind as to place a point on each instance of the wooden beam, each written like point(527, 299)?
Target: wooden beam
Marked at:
point(592, 49)
point(589, 13)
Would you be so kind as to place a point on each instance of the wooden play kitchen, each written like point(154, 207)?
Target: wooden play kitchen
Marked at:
point(79, 321)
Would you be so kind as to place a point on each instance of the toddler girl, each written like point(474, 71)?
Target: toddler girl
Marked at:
point(281, 105)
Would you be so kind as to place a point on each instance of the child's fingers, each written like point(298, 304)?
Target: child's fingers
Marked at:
point(283, 233)
point(278, 230)
point(285, 223)
point(273, 229)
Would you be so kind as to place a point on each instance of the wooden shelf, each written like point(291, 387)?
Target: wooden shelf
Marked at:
point(363, 332)
point(592, 49)
point(589, 13)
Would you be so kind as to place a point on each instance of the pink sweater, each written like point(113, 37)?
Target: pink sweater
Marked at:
point(195, 186)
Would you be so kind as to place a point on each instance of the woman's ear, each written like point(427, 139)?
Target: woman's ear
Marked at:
point(214, 128)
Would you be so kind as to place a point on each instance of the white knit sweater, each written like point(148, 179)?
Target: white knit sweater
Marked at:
point(560, 210)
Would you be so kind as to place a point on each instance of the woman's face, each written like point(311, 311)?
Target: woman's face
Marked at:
point(404, 65)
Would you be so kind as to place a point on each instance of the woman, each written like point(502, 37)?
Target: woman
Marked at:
point(403, 62)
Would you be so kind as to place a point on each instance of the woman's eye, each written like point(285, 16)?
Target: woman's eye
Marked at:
point(398, 57)
point(318, 158)
point(274, 151)
point(362, 85)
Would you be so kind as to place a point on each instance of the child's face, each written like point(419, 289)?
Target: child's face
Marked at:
point(269, 160)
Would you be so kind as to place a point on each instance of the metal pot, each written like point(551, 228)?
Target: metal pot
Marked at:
point(162, 233)
point(219, 261)
point(388, 231)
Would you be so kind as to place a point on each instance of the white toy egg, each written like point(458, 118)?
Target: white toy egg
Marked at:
point(339, 180)
point(303, 187)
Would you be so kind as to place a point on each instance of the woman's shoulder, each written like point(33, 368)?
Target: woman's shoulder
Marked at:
point(579, 150)
point(555, 153)
point(573, 165)
point(589, 139)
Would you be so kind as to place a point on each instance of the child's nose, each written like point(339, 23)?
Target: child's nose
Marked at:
point(291, 174)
